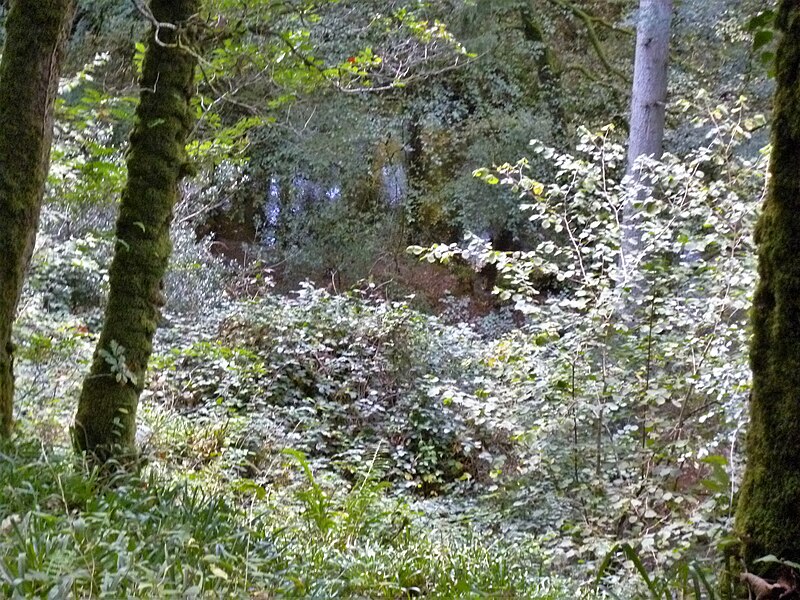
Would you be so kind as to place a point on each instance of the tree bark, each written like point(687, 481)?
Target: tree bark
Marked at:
point(36, 34)
point(648, 103)
point(547, 70)
point(768, 515)
point(416, 171)
point(105, 423)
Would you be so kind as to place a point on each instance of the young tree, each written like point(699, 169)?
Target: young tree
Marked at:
point(36, 33)
point(648, 103)
point(768, 515)
point(105, 423)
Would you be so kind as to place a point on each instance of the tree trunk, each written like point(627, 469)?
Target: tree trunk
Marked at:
point(105, 423)
point(36, 34)
point(416, 170)
point(768, 515)
point(547, 71)
point(648, 103)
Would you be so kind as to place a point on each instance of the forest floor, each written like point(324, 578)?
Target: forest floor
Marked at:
point(320, 445)
point(225, 505)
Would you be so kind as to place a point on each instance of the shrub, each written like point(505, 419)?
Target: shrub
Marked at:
point(636, 371)
point(347, 377)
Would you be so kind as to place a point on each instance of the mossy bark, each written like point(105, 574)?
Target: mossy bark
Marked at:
point(36, 32)
point(768, 515)
point(547, 70)
point(105, 422)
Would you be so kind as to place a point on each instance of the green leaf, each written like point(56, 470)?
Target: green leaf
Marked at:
point(771, 558)
point(761, 20)
point(217, 572)
point(762, 38)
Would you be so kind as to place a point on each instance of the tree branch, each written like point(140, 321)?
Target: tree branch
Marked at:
point(589, 22)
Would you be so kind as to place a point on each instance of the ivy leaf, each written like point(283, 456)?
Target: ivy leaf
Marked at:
point(762, 38)
point(761, 20)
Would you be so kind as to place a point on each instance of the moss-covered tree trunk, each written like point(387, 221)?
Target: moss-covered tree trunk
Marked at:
point(547, 70)
point(105, 423)
point(768, 516)
point(36, 32)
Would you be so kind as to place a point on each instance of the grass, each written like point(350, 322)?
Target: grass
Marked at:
point(67, 533)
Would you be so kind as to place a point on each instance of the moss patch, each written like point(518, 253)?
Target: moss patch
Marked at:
point(105, 423)
point(768, 517)
point(29, 71)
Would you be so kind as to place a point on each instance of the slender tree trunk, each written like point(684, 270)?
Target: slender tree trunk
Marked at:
point(416, 171)
point(36, 34)
point(648, 103)
point(547, 70)
point(105, 423)
point(768, 515)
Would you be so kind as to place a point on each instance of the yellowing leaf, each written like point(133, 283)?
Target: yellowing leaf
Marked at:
point(217, 572)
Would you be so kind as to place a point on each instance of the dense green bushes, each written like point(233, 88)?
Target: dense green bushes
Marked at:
point(348, 378)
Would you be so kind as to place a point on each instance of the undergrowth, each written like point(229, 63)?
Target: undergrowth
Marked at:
point(68, 533)
point(328, 445)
